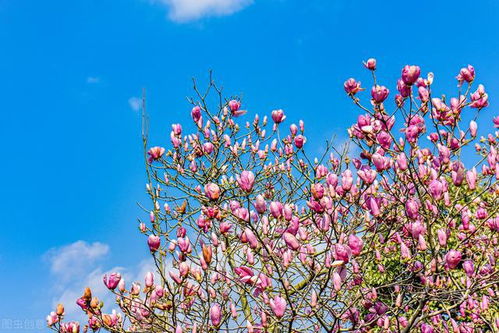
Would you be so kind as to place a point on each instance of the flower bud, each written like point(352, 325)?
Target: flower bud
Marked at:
point(352, 87)
point(410, 74)
point(442, 237)
point(111, 281)
point(60, 310)
point(291, 241)
point(246, 181)
point(278, 116)
point(149, 279)
point(370, 64)
point(452, 258)
point(212, 191)
point(473, 128)
point(469, 267)
point(379, 93)
point(278, 305)
point(215, 314)
point(154, 242)
point(196, 113)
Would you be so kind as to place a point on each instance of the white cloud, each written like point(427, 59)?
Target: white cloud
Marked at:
point(70, 260)
point(189, 10)
point(68, 293)
point(77, 266)
point(134, 103)
point(93, 79)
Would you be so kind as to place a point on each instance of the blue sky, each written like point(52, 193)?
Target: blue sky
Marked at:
point(71, 166)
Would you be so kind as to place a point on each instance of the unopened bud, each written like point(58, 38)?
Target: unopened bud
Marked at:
point(94, 303)
point(87, 294)
point(60, 309)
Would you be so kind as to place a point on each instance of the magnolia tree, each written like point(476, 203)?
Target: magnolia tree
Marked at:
point(249, 233)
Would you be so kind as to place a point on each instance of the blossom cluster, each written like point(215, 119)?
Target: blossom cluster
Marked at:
point(251, 234)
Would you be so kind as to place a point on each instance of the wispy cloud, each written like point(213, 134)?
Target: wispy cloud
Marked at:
point(79, 265)
point(70, 260)
point(134, 103)
point(190, 10)
point(93, 79)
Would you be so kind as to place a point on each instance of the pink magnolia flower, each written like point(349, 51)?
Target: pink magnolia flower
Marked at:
point(425, 328)
point(342, 252)
point(287, 212)
point(52, 318)
point(234, 105)
point(481, 213)
point(352, 87)
point(313, 299)
point(121, 285)
point(212, 191)
point(155, 153)
point(370, 64)
point(479, 99)
point(384, 139)
point(367, 174)
point(250, 238)
point(411, 133)
point(317, 190)
point(412, 208)
point(260, 204)
point(404, 251)
point(469, 268)
point(379, 93)
point(424, 94)
point(471, 176)
point(473, 128)
point(291, 241)
point(355, 244)
point(246, 180)
point(300, 141)
point(154, 242)
point(235, 108)
point(337, 281)
point(175, 277)
point(184, 244)
point(373, 206)
point(177, 129)
point(276, 209)
point(380, 162)
point(346, 180)
point(225, 227)
point(403, 88)
point(112, 280)
point(208, 147)
point(442, 237)
point(399, 100)
point(410, 74)
point(493, 223)
point(402, 161)
point(452, 258)
point(196, 113)
point(250, 328)
point(70, 327)
point(278, 116)
point(245, 274)
point(436, 189)
point(415, 229)
point(466, 74)
point(215, 314)
point(278, 305)
point(149, 279)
